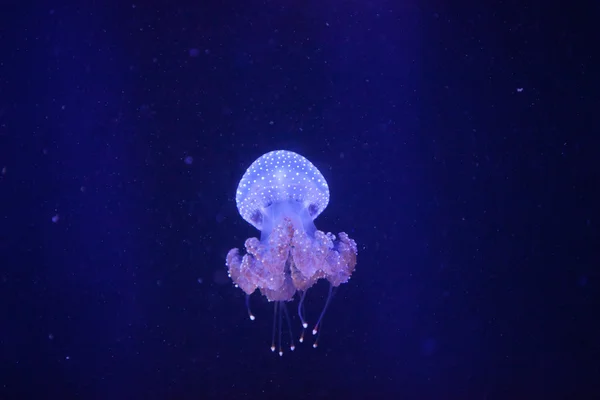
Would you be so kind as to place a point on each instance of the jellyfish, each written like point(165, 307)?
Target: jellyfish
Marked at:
point(281, 194)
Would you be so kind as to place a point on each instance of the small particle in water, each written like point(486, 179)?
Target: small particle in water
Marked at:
point(199, 280)
point(194, 52)
point(82, 189)
point(188, 160)
point(67, 358)
point(50, 336)
point(271, 123)
point(519, 90)
point(3, 170)
point(55, 218)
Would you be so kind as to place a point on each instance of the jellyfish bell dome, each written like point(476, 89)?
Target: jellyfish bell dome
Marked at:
point(278, 184)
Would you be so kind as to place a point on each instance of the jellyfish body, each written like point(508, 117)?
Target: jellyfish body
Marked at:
point(281, 194)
